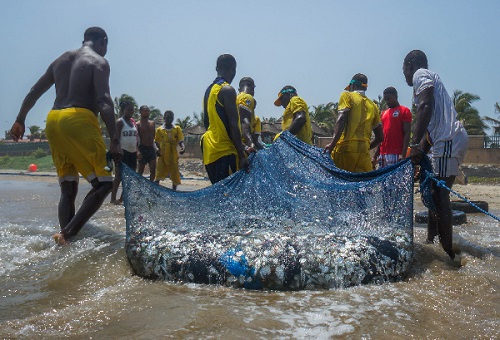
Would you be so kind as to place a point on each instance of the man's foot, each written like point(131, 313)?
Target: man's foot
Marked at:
point(429, 241)
point(458, 260)
point(59, 238)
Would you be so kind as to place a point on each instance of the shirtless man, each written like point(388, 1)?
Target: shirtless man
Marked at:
point(147, 151)
point(81, 79)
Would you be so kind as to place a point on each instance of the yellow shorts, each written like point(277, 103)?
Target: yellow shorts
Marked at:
point(353, 161)
point(164, 170)
point(77, 145)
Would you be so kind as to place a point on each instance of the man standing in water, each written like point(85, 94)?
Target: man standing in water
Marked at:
point(81, 78)
point(436, 126)
point(147, 151)
point(222, 146)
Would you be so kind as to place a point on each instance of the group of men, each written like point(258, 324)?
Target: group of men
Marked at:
point(143, 144)
point(82, 92)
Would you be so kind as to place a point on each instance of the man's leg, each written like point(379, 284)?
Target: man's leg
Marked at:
point(116, 183)
point(66, 208)
point(140, 168)
point(445, 219)
point(152, 170)
point(89, 207)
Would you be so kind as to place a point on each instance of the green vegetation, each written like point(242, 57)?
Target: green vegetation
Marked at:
point(44, 163)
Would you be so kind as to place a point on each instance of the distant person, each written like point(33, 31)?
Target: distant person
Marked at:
point(358, 116)
point(246, 109)
point(436, 127)
point(127, 130)
point(223, 149)
point(296, 116)
point(396, 123)
point(167, 137)
point(81, 79)
point(147, 150)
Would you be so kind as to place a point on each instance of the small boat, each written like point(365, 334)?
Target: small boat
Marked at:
point(295, 221)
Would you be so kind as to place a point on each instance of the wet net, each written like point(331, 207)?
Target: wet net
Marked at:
point(295, 221)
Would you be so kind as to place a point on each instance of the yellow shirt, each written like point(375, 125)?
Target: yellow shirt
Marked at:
point(297, 104)
point(168, 141)
point(216, 142)
point(256, 125)
point(362, 118)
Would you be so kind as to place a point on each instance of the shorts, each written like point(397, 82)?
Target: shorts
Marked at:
point(221, 168)
point(387, 159)
point(148, 154)
point(130, 159)
point(446, 165)
point(353, 161)
point(77, 145)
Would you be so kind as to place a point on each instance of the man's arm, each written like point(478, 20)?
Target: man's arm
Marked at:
point(425, 105)
point(379, 136)
point(337, 130)
point(41, 86)
point(106, 107)
point(406, 138)
point(245, 120)
point(299, 120)
point(227, 97)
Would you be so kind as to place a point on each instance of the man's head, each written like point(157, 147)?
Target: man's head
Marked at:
point(285, 95)
point(358, 82)
point(247, 85)
point(168, 117)
point(99, 39)
point(414, 60)
point(127, 108)
point(391, 97)
point(144, 111)
point(226, 67)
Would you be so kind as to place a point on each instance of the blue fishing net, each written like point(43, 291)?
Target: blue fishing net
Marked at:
point(295, 221)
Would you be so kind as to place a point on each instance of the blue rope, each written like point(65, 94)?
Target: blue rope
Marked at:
point(442, 184)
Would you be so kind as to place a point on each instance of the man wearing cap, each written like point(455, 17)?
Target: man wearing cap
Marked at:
point(296, 116)
point(358, 116)
point(246, 107)
point(223, 150)
point(396, 123)
point(436, 126)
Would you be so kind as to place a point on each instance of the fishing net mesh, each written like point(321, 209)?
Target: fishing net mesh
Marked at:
point(294, 221)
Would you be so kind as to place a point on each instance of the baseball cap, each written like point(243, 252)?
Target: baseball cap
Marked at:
point(358, 79)
point(284, 90)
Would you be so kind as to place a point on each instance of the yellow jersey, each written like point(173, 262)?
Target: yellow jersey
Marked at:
point(216, 142)
point(297, 104)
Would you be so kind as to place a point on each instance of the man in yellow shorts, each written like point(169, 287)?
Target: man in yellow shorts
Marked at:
point(296, 115)
point(81, 78)
point(358, 117)
point(167, 137)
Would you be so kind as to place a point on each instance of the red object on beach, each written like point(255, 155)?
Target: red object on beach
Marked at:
point(32, 168)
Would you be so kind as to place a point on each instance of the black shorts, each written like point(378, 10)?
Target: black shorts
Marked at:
point(130, 158)
point(221, 168)
point(148, 154)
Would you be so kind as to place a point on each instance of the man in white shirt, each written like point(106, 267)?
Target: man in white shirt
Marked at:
point(436, 127)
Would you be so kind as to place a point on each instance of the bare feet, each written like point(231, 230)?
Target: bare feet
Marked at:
point(59, 238)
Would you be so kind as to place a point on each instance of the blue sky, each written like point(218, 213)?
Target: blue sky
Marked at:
point(163, 53)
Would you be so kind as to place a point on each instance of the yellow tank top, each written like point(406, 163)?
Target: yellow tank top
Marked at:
point(216, 142)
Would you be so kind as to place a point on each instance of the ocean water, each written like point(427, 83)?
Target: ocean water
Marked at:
point(87, 290)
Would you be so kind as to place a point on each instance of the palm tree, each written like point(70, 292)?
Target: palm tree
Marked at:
point(325, 115)
point(122, 98)
point(154, 112)
point(198, 119)
point(35, 132)
point(381, 104)
point(496, 128)
point(468, 114)
point(184, 123)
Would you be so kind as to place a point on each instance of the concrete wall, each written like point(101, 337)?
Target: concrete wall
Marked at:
point(476, 153)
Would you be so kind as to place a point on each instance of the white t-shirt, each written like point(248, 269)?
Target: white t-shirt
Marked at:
point(444, 125)
point(128, 136)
